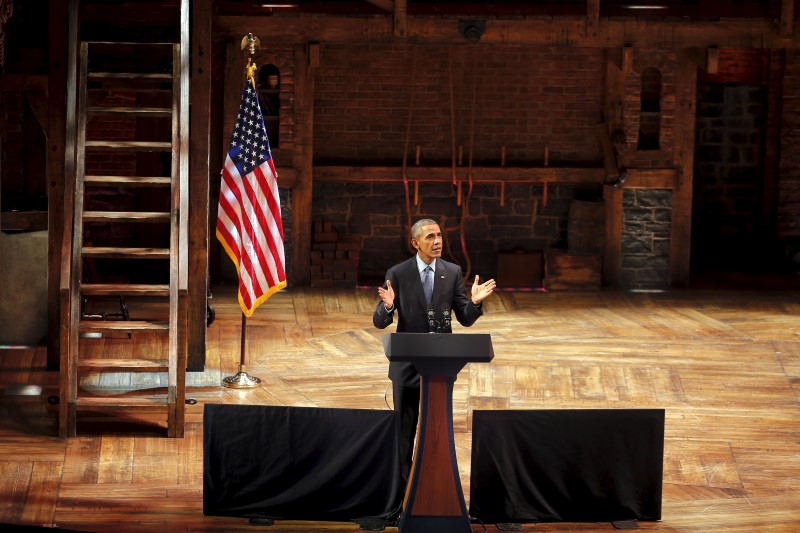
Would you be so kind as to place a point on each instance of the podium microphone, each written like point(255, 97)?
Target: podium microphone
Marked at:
point(445, 326)
point(431, 319)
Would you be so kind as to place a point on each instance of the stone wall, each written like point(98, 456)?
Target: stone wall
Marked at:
point(646, 231)
point(378, 212)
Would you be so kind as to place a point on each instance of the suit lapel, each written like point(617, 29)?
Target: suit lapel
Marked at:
point(419, 291)
point(439, 281)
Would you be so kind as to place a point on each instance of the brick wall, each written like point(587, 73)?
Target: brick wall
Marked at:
point(525, 99)
point(282, 60)
point(644, 62)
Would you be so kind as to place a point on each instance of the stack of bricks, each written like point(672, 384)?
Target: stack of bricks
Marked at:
point(334, 257)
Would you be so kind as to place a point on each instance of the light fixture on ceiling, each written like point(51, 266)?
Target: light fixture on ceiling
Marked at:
point(472, 30)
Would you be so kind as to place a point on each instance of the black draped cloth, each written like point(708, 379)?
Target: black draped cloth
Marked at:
point(300, 463)
point(592, 465)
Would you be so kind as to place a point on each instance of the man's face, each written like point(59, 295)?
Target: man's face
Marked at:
point(429, 242)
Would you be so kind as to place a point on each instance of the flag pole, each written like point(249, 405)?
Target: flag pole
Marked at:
point(241, 380)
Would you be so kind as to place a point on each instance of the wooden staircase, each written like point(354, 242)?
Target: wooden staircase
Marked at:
point(147, 131)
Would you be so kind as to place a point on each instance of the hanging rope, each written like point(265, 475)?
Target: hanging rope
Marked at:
point(452, 115)
point(465, 205)
point(410, 113)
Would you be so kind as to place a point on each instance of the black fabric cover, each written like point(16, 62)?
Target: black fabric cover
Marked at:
point(567, 465)
point(300, 463)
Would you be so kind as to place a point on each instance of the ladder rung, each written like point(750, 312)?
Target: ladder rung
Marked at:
point(142, 111)
point(121, 325)
point(116, 401)
point(132, 43)
point(130, 180)
point(125, 253)
point(135, 146)
point(123, 289)
point(124, 365)
point(126, 216)
point(129, 75)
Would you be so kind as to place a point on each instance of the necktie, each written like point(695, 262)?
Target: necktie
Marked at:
point(427, 283)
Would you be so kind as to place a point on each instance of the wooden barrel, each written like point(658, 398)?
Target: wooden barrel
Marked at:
point(586, 226)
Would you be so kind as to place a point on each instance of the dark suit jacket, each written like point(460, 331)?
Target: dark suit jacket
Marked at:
point(449, 292)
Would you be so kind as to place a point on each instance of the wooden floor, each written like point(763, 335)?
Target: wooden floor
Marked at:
point(725, 366)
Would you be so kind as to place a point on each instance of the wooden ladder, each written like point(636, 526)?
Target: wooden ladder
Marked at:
point(143, 131)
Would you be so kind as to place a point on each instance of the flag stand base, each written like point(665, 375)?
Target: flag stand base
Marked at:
point(241, 380)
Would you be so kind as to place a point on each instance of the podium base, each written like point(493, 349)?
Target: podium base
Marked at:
point(433, 524)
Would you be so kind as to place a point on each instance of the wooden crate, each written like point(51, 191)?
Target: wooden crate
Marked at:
point(519, 269)
point(566, 270)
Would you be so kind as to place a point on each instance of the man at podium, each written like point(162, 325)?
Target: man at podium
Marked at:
point(424, 291)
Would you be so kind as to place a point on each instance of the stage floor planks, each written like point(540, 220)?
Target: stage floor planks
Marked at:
point(724, 365)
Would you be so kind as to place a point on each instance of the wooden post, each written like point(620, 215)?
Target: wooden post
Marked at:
point(787, 18)
point(303, 163)
point(56, 139)
point(592, 18)
point(199, 172)
point(712, 60)
point(399, 19)
point(685, 97)
point(612, 256)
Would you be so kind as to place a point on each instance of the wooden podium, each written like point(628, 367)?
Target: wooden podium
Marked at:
point(434, 500)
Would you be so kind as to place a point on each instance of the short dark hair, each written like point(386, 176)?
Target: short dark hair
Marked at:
point(416, 229)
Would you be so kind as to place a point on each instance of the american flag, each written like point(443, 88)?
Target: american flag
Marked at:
point(249, 218)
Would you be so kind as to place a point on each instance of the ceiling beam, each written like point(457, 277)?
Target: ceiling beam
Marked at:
point(386, 5)
point(745, 33)
point(355, 174)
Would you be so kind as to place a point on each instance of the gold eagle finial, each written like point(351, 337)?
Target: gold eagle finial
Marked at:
point(251, 41)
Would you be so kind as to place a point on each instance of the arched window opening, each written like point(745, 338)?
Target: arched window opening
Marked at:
point(650, 110)
point(269, 94)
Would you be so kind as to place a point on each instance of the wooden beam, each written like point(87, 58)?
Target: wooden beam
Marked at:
point(592, 18)
point(609, 154)
point(681, 241)
point(627, 59)
point(612, 256)
point(386, 5)
point(24, 221)
point(313, 55)
point(400, 19)
point(55, 128)
point(650, 178)
point(39, 105)
point(24, 82)
point(69, 303)
point(613, 103)
point(712, 60)
point(355, 174)
point(199, 172)
point(787, 19)
point(748, 33)
point(303, 162)
point(707, 59)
